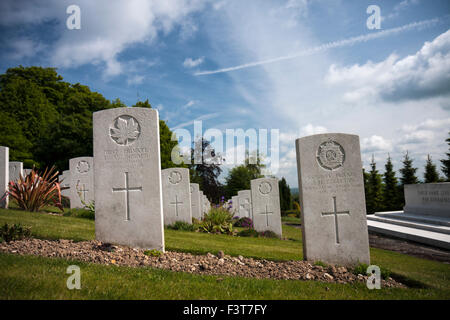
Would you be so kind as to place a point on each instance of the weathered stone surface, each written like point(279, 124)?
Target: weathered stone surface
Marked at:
point(266, 205)
point(176, 195)
point(15, 170)
point(81, 181)
point(196, 208)
point(332, 199)
point(64, 180)
point(4, 176)
point(245, 204)
point(127, 168)
point(431, 199)
point(235, 205)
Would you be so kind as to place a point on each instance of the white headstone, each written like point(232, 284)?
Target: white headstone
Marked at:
point(15, 170)
point(26, 172)
point(176, 195)
point(4, 176)
point(235, 205)
point(127, 169)
point(332, 199)
point(81, 181)
point(64, 179)
point(245, 204)
point(196, 208)
point(266, 205)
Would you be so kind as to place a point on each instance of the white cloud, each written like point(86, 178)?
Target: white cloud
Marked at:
point(310, 129)
point(429, 124)
point(327, 46)
point(191, 63)
point(190, 103)
point(107, 27)
point(375, 144)
point(135, 79)
point(422, 75)
point(399, 7)
point(24, 48)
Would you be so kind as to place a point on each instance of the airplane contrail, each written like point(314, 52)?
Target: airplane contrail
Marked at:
point(329, 45)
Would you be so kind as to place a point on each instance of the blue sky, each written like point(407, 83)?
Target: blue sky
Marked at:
point(393, 90)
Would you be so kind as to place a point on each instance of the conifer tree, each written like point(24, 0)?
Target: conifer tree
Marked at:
point(431, 174)
point(374, 188)
point(408, 172)
point(408, 176)
point(390, 190)
point(446, 163)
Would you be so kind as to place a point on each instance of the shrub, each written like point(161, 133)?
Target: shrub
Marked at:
point(243, 222)
point(14, 232)
point(36, 190)
point(217, 220)
point(88, 206)
point(362, 269)
point(268, 234)
point(181, 225)
point(248, 233)
point(65, 201)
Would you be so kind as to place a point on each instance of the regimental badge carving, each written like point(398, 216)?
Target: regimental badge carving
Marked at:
point(125, 130)
point(83, 166)
point(265, 187)
point(175, 177)
point(330, 155)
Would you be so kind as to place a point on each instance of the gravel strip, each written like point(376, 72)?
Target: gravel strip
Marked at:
point(102, 253)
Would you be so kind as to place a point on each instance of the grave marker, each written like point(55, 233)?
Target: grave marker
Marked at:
point(332, 199)
point(266, 205)
point(4, 176)
point(176, 195)
point(127, 169)
point(81, 181)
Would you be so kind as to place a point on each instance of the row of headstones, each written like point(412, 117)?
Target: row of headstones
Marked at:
point(261, 204)
point(182, 200)
point(129, 200)
point(9, 170)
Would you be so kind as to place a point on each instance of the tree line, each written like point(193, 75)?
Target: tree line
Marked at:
point(384, 192)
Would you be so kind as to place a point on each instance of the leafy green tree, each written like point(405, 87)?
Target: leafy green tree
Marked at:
point(46, 121)
point(285, 195)
point(431, 174)
point(205, 169)
point(239, 177)
point(374, 198)
point(446, 163)
point(390, 190)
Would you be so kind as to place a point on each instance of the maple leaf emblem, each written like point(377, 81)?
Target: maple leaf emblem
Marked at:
point(125, 131)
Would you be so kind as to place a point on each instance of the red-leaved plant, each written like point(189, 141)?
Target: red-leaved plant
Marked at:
point(37, 190)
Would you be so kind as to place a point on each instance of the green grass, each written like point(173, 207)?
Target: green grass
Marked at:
point(291, 220)
point(16, 273)
point(32, 277)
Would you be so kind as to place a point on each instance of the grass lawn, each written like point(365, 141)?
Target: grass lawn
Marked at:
point(31, 277)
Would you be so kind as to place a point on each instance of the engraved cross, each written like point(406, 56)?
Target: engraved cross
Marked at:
point(127, 190)
point(267, 213)
point(176, 203)
point(84, 190)
point(335, 213)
